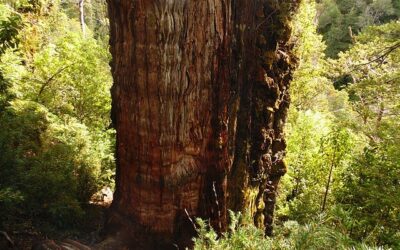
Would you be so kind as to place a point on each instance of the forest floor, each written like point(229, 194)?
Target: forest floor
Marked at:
point(24, 234)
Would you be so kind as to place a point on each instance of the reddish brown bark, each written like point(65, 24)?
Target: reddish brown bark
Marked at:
point(199, 101)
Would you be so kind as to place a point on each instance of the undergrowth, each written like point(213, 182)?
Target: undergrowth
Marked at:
point(243, 235)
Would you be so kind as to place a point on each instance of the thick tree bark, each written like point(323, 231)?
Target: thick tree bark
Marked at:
point(263, 70)
point(199, 102)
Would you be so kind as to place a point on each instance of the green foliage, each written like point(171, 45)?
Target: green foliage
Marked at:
point(48, 161)
point(371, 195)
point(311, 157)
point(66, 80)
point(309, 83)
point(55, 142)
point(95, 14)
point(319, 146)
point(336, 16)
point(351, 131)
point(372, 66)
point(10, 23)
point(304, 181)
point(323, 232)
point(241, 236)
point(371, 190)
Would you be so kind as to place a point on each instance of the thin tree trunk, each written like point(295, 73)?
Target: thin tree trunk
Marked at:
point(380, 115)
point(328, 183)
point(82, 16)
point(199, 103)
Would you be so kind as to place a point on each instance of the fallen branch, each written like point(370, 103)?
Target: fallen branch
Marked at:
point(7, 237)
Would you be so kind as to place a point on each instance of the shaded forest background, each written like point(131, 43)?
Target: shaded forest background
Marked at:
point(342, 189)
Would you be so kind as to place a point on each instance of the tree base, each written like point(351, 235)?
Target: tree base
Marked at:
point(122, 232)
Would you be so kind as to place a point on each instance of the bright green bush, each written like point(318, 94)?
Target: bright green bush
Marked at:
point(371, 195)
point(49, 164)
point(56, 148)
point(324, 232)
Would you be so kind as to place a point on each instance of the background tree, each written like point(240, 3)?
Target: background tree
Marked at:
point(365, 110)
point(316, 128)
point(371, 183)
point(338, 20)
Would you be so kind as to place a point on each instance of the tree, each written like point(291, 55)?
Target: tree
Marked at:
point(314, 128)
point(199, 102)
point(371, 184)
point(10, 23)
point(340, 19)
point(82, 16)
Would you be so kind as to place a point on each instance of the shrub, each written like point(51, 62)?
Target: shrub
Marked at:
point(48, 167)
point(321, 233)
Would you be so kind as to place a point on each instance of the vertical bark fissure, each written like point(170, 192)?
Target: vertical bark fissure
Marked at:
point(328, 184)
point(242, 71)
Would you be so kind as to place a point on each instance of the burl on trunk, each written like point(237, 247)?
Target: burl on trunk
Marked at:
point(200, 98)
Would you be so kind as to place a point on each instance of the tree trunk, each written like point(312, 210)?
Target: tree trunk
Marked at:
point(82, 16)
point(328, 184)
point(200, 97)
